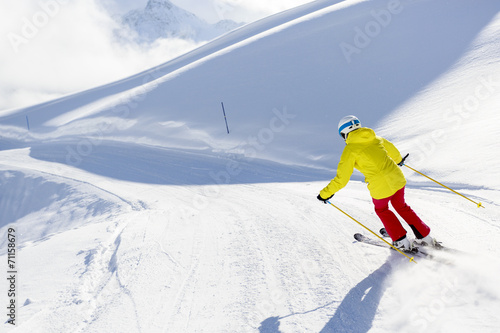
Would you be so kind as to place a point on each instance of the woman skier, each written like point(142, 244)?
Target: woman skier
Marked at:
point(378, 160)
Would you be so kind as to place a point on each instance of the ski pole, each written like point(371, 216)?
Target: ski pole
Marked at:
point(477, 203)
point(361, 224)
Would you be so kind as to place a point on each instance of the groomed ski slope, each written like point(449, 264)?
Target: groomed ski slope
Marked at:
point(135, 211)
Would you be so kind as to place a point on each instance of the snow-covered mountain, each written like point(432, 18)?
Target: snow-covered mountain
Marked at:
point(136, 211)
point(163, 19)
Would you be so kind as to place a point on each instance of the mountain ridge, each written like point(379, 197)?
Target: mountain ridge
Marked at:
point(163, 19)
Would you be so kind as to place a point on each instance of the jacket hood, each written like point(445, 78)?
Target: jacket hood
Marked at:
point(361, 135)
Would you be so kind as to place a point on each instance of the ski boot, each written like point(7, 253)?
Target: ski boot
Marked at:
point(428, 241)
point(403, 244)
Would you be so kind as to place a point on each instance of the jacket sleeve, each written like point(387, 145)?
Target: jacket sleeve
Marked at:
point(344, 172)
point(392, 151)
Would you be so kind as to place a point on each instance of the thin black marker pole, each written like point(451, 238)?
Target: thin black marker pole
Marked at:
point(225, 119)
point(28, 123)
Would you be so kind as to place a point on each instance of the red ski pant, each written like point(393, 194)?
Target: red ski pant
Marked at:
point(391, 222)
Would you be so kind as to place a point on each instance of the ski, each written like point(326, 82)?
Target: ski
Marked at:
point(376, 242)
point(365, 239)
point(418, 251)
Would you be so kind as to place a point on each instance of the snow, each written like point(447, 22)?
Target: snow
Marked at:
point(135, 211)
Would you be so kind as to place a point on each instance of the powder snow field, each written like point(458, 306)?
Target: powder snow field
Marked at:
point(135, 211)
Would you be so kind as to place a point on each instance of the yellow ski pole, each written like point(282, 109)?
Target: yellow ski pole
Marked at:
point(477, 203)
point(352, 218)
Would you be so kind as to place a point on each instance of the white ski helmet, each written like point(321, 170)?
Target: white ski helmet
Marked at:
point(348, 124)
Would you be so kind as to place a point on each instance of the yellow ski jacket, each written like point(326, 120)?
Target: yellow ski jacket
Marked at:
point(376, 158)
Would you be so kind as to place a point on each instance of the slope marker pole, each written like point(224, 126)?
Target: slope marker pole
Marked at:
point(225, 119)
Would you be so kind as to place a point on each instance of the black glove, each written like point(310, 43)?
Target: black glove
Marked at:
point(324, 200)
point(403, 160)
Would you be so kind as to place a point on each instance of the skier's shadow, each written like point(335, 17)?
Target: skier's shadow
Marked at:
point(270, 325)
point(358, 308)
point(356, 311)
